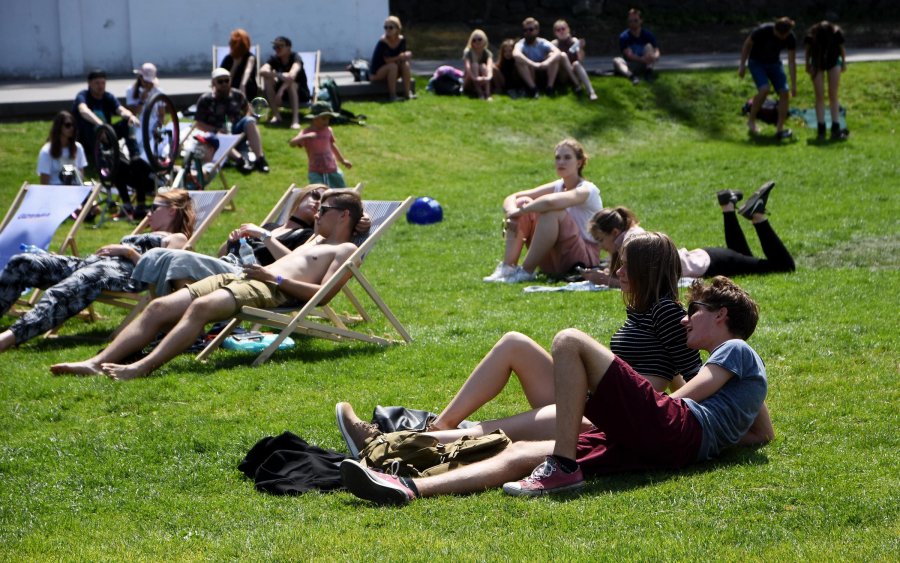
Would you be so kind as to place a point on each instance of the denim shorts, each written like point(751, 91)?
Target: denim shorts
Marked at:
point(763, 73)
point(241, 125)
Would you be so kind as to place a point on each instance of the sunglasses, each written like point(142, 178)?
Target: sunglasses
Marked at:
point(277, 46)
point(560, 29)
point(157, 207)
point(323, 209)
point(68, 125)
point(695, 306)
point(477, 40)
point(223, 80)
point(529, 28)
point(390, 27)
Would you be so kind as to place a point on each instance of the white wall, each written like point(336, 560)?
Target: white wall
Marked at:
point(63, 38)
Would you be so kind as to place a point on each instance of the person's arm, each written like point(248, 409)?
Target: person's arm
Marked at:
point(557, 201)
point(705, 384)
point(266, 71)
point(520, 56)
point(745, 54)
point(338, 155)
point(489, 67)
point(510, 206)
point(761, 432)
point(792, 69)
point(467, 68)
point(125, 113)
point(843, 58)
point(248, 72)
point(85, 112)
point(44, 165)
point(291, 74)
point(175, 241)
point(580, 54)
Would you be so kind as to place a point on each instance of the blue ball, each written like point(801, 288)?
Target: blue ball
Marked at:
point(424, 211)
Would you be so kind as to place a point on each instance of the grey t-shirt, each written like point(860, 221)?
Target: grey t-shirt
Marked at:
point(729, 413)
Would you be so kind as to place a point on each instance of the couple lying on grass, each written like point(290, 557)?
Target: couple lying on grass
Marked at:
point(598, 410)
point(295, 276)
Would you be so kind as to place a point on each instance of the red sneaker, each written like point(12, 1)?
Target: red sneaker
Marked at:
point(547, 478)
point(377, 487)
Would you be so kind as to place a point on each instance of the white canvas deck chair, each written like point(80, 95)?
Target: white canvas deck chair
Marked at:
point(311, 60)
point(36, 214)
point(314, 318)
point(208, 204)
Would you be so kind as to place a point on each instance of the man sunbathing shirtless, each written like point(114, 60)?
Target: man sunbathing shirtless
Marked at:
point(297, 276)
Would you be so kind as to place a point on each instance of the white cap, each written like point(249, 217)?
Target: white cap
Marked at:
point(147, 72)
point(219, 72)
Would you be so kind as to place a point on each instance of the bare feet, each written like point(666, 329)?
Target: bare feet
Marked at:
point(121, 372)
point(76, 368)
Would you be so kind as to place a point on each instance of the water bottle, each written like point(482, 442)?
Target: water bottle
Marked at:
point(32, 249)
point(247, 256)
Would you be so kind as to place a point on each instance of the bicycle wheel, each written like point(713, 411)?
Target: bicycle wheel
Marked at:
point(106, 153)
point(160, 133)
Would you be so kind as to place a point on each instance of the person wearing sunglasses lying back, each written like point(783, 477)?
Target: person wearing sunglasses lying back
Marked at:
point(72, 283)
point(168, 270)
point(183, 314)
point(635, 427)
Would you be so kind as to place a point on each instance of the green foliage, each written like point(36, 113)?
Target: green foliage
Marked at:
point(91, 469)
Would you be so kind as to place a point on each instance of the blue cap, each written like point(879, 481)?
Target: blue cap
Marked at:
point(425, 211)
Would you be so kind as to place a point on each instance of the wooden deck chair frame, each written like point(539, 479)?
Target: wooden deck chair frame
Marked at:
point(302, 320)
point(135, 302)
point(311, 60)
point(219, 52)
point(68, 244)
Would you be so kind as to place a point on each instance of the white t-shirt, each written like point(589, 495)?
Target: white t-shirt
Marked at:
point(694, 263)
point(53, 166)
point(583, 213)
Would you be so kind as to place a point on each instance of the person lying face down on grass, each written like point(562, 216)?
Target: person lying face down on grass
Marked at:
point(635, 427)
point(296, 276)
point(551, 220)
point(611, 227)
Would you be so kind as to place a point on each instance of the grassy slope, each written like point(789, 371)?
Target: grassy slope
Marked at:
point(90, 469)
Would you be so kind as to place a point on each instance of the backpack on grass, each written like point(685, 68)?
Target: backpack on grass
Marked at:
point(768, 111)
point(414, 454)
point(328, 92)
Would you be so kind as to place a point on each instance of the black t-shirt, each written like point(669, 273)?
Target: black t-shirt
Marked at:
point(300, 78)
point(767, 46)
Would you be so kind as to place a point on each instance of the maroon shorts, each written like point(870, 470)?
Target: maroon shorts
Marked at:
point(636, 427)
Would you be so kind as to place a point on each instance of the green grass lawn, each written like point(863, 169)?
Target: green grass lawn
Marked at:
point(91, 469)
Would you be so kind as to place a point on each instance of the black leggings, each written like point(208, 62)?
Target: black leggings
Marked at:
point(737, 259)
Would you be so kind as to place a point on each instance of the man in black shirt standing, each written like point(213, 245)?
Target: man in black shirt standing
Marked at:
point(763, 49)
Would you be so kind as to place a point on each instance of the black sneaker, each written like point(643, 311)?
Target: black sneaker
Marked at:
point(838, 134)
point(784, 134)
point(245, 166)
point(550, 91)
point(820, 132)
point(635, 80)
point(262, 165)
point(729, 196)
point(532, 93)
point(757, 202)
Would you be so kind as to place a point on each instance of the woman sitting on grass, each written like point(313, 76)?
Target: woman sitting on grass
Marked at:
point(479, 66)
point(73, 283)
point(551, 220)
point(612, 227)
point(61, 149)
point(652, 341)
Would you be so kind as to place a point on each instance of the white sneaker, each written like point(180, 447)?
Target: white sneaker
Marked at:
point(519, 276)
point(501, 272)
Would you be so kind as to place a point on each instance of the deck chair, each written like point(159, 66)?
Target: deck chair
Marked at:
point(34, 217)
point(226, 144)
point(302, 320)
point(219, 52)
point(37, 212)
point(208, 204)
point(311, 60)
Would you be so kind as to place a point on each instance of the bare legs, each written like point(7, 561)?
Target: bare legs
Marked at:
point(389, 73)
point(758, 100)
point(513, 353)
point(540, 242)
point(834, 81)
point(579, 363)
point(528, 71)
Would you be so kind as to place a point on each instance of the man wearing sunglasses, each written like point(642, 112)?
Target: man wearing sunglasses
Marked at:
point(537, 59)
point(226, 105)
point(635, 427)
point(284, 74)
point(294, 277)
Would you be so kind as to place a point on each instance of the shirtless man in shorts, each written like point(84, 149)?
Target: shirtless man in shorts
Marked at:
point(297, 276)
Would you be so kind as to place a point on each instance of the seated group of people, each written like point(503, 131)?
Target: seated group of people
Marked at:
point(293, 260)
point(599, 410)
